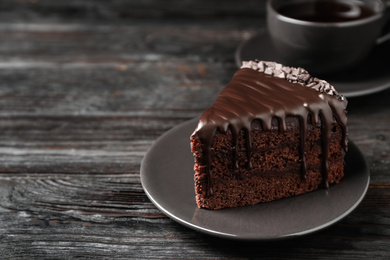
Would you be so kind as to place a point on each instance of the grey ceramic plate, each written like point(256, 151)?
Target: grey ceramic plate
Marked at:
point(167, 178)
point(369, 77)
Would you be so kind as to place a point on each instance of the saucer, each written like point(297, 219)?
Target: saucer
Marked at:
point(371, 76)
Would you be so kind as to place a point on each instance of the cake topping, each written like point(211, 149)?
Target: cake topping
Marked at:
point(267, 90)
point(293, 75)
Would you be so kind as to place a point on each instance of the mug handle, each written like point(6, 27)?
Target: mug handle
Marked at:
point(385, 37)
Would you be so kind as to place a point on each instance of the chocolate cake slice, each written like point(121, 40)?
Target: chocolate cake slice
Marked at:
point(273, 132)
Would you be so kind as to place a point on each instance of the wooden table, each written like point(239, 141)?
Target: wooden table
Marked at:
point(87, 86)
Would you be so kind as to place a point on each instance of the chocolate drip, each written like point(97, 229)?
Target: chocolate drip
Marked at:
point(303, 127)
point(235, 133)
point(249, 148)
point(255, 95)
point(207, 155)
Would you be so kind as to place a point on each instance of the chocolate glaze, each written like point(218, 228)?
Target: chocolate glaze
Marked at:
point(255, 95)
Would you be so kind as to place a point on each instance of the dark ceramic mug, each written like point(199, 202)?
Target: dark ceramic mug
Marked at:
point(326, 46)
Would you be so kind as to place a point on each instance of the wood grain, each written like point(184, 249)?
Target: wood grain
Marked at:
point(109, 215)
point(86, 87)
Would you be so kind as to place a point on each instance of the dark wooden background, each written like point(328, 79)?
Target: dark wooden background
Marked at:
point(86, 86)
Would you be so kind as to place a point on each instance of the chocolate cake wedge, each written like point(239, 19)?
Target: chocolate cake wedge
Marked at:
point(273, 132)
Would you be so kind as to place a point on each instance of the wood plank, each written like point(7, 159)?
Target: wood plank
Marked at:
point(177, 88)
point(123, 10)
point(77, 144)
point(114, 144)
point(109, 215)
point(77, 43)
